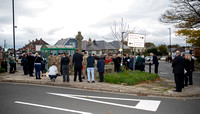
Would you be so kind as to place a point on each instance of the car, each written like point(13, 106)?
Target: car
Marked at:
point(163, 58)
point(148, 58)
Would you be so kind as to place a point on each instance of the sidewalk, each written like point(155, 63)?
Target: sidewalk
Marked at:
point(162, 87)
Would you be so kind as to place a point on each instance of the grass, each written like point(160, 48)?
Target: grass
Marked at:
point(130, 77)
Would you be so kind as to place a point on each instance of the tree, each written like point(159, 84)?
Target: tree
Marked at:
point(119, 28)
point(149, 45)
point(193, 36)
point(184, 14)
point(162, 49)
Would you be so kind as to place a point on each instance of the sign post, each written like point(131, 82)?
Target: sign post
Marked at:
point(135, 40)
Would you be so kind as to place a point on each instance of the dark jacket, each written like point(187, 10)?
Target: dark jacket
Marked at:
point(90, 61)
point(24, 61)
point(189, 65)
point(178, 65)
point(155, 60)
point(65, 61)
point(77, 60)
point(101, 65)
point(131, 63)
point(38, 60)
point(31, 60)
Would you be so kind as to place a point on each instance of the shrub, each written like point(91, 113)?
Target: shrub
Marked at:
point(2, 70)
point(130, 77)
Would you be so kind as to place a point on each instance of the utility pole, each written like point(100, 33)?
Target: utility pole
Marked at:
point(170, 40)
point(13, 12)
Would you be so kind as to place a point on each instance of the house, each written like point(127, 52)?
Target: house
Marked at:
point(91, 47)
point(68, 41)
point(34, 46)
point(106, 48)
point(118, 45)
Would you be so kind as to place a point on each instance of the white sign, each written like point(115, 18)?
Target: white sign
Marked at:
point(136, 40)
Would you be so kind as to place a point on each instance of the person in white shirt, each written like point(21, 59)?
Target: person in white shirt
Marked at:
point(53, 72)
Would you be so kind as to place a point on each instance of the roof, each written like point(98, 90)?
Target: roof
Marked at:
point(117, 45)
point(104, 45)
point(90, 47)
point(57, 47)
point(63, 41)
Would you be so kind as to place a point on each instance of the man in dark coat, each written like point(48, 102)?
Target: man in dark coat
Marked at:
point(178, 70)
point(31, 61)
point(77, 61)
point(100, 66)
point(155, 61)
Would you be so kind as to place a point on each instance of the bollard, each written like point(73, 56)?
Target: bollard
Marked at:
point(149, 67)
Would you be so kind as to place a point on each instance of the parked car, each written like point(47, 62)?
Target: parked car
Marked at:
point(163, 58)
point(148, 58)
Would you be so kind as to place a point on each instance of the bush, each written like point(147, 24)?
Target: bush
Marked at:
point(130, 77)
point(2, 70)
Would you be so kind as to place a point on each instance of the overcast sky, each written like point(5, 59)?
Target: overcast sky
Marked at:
point(52, 20)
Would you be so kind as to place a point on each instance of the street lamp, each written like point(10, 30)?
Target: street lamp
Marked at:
point(170, 40)
point(13, 12)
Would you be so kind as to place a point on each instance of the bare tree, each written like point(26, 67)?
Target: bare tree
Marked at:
point(119, 28)
point(183, 14)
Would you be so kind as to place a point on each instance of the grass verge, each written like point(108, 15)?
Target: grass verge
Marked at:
point(130, 77)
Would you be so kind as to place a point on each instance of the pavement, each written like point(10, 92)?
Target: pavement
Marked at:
point(161, 87)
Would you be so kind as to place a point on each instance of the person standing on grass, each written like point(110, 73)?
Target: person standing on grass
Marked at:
point(90, 67)
point(100, 66)
point(65, 67)
point(138, 63)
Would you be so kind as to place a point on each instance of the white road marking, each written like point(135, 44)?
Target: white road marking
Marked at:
point(148, 105)
point(51, 107)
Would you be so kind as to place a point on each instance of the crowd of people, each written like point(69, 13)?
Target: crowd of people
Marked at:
point(183, 67)
point(83, 65)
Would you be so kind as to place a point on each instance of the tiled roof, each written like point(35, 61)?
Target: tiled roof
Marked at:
point(117, 45)
point(89, 47)
point(104, 45)
point(62, 41)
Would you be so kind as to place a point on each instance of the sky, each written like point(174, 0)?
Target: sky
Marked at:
point(52, 20)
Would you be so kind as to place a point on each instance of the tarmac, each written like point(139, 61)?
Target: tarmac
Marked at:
point(161, 87)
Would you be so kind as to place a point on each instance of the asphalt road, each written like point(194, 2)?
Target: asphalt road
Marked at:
point(33, 99)
point(165, 70)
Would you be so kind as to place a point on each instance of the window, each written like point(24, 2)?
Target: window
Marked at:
point(73, 44)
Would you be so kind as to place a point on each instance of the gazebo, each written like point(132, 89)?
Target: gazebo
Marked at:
point(56, 49)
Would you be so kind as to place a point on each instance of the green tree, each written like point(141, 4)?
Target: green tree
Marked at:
point(162, 49)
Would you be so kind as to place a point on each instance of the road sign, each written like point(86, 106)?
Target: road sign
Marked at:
point(136, 40)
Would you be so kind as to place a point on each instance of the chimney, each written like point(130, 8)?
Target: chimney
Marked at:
point(90, 41)
point(94, 42)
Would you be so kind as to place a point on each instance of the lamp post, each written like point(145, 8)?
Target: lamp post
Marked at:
point(13, 12)
point(170, 40)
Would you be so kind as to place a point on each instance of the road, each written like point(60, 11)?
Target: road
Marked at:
point(33, 99)
point(165, 70)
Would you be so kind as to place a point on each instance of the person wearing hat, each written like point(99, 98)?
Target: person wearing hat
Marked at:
point(77, 61)
point(50, 59)
point(11, 62)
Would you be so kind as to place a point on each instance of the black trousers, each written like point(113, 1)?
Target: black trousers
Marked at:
point(65, 70)
point(188, 75)
point(30, 70)
point(156, 68)
point(179, 81)
point(12, 67)
point(25, 68)
point(77, 69)
point(100, 76)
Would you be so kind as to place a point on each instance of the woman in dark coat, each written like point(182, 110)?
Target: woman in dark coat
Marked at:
point(118, 62)
point(189, 68)
point(38, 65)
point(100, 66)
point(24, 63)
